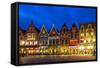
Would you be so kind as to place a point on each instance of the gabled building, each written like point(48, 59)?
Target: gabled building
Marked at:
point(74, 35)
point(32, 40)
point(87, 37)
point(64, 35)
point(32, 33)
point(91, 33)
point(54, 37)
point(43, 38)
point(87, 33)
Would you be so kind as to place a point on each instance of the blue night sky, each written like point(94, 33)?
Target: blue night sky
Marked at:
point(49, 15)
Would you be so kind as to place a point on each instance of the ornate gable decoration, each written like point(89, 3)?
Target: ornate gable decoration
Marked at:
point(74, 28)
point(31, 28)
point(43, 31)
point(53, 31)
point(64, 29)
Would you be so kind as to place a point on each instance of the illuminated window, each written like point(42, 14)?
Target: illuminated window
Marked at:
point(22, 42)
point(84, 41)
point(29, 36)
point(89, 40)
point(87, 34)
point(33, 37)
point(81, 47)
point(90, 47)
point(22, 50)
point(53, 32)
point(31, 43)
point(43, 32)
point(27, 43)
point(94, 39)
point(92, 33)
point(27, 48)
point(35, 42)
point(82, 34)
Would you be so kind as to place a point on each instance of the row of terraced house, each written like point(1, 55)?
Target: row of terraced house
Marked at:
point(35, 39)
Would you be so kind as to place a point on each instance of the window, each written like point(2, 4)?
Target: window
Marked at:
point(87, 34)
point(22, 42)
point(35, 42)
point(53, 41)
point(62, 41)
point(92, 33)
point(27, 43)
point(29, 35)
point(82, 34)
point(46, 42)
point(43, 32)
point(69, 36)
point(50, 41)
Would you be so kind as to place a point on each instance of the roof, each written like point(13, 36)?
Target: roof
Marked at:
point(32, 28)
point(64, 29)
point(53, 31)
point(43, 31)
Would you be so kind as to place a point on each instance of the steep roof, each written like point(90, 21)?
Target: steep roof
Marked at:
point(74, 28)
point(43, 31)
point(32, 28)
point(53, 31)
point(64, 29)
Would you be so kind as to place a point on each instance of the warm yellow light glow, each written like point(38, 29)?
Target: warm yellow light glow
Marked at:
point(22, 50)
point(87, 34)
point(35, 42)
point(89, 40)
point(81, 47)
point(27, 48)
point(37, 50)
point(94, 39)
point(84, 41)
point(22, 42)
point(90, 47)
point(29, 36)
point(31, 43)
point(33, 38)
point(31, 48)
point(29, 51)
point(82, 34)
point(27, 43)
point(92, 33)
point(43, 32)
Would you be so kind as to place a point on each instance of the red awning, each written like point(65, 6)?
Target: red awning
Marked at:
point(73, 42)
